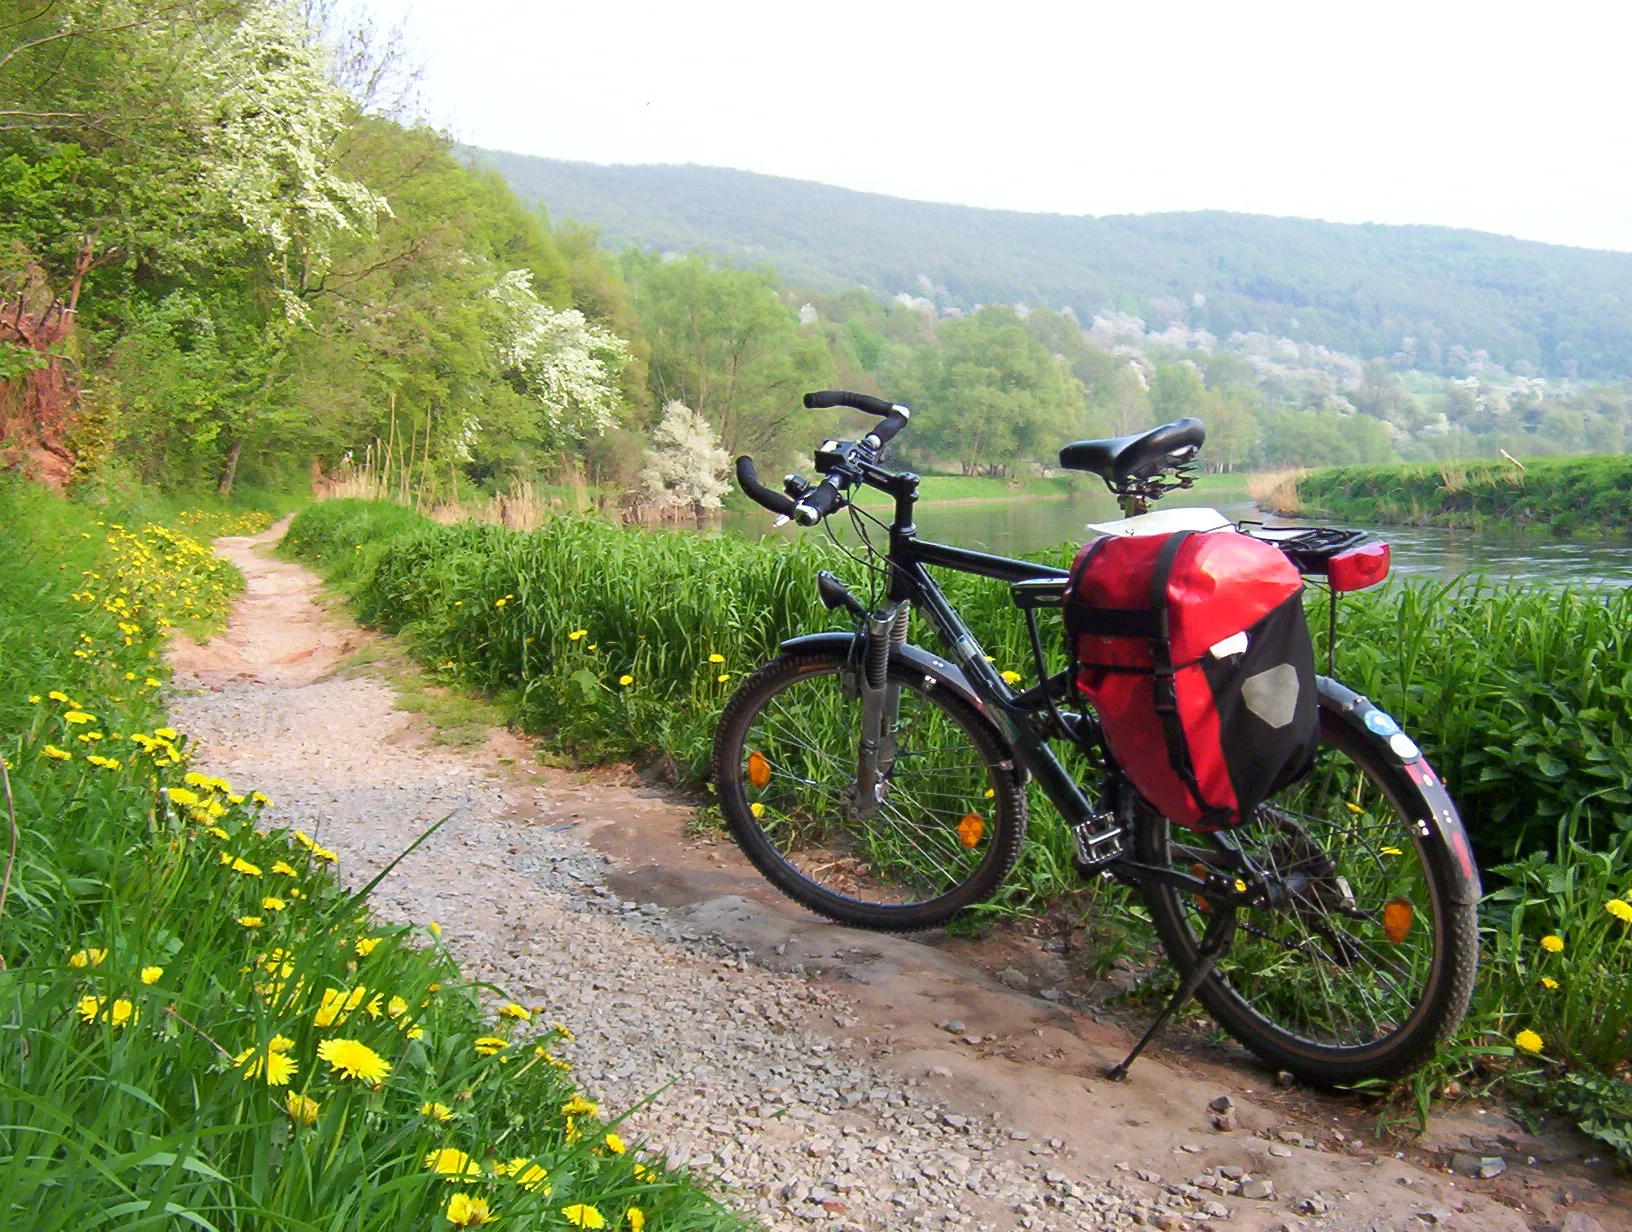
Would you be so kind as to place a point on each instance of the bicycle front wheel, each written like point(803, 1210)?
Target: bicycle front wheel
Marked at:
point(946, 829)
point(1370, 963)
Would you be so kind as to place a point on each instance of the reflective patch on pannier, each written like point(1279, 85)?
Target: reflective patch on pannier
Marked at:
point(1273, 695)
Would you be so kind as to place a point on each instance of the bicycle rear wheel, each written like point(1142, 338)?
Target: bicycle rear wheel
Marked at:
point(1370, 964)
point(947, 830)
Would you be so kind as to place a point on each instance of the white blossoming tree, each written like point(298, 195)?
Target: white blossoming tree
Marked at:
point(685, 465)
point(567, 363)
point(272, 118)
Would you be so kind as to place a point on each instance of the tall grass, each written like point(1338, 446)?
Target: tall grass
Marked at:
point(1557, 495)
point(181, 982)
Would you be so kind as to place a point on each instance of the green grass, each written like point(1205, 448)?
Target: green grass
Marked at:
point(1519, 698)
point(1559, 496)
point(143, 981)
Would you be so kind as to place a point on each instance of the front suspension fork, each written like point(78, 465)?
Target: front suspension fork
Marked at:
point(880, 707)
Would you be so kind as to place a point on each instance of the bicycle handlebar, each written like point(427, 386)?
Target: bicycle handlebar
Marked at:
point(816, 503)
point(894, 415)
point(748, 479)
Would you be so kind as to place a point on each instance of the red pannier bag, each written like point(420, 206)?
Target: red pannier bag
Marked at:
point(1193, 650)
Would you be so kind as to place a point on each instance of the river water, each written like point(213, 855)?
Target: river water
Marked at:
point(1015, 527)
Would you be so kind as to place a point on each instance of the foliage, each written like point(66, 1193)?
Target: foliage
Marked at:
point(1558, 495)
point(568, 364)
point(180, 979)
point(686, 466)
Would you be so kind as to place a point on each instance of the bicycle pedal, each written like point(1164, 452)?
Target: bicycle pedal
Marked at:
point(1098, 842)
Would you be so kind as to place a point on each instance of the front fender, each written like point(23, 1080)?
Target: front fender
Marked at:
point(933, 667)
point(1443, 824)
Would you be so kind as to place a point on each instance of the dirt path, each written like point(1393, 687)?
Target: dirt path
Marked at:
point(810, 1070)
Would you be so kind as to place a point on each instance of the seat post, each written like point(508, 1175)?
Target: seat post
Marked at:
point(1132, 504)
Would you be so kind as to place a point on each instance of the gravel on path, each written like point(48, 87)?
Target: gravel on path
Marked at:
point(722, 1062)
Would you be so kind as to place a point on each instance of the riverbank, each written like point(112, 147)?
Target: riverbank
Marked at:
point(1556, 496)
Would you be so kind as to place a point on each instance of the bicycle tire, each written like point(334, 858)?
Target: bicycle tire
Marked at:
point(1449, 983)
point(1008, 804)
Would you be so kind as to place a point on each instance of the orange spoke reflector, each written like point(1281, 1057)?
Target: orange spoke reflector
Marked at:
point(759, 770)
point(970, 829)
point(1397, 916)
point(1202, 905)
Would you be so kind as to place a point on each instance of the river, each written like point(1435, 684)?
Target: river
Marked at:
point(1015, 527)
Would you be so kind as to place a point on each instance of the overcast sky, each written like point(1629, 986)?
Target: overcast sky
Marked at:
point(1508, 118)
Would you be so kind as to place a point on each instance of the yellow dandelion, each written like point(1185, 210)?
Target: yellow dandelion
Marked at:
point(273, 903)
point(301, 1110)
point(1529, 1041)
point(33, 699)
point(1617, 907)
point(434, 929)
point(89, 1008)
point(580, 1215)
point(643, 1173)
point(635, 1218)
point(87, 958)
point(287, 869)
point(757, 809)
point(577, 635)
point(217, 832)
point(579, 1106)
point(122, 1012)
point(723, 677)
point(519, 1012)
point(464, 1210)
point(1392, 851)
point(716, 658)
point(56, 754)
point(166, 733)
point(1549, 983)
point(323, 853)
point(250, 921)
point(435, 1111)
point(625, 680)
point(353, 1059)
point(560, 1028)
point(530, 1176)
point(615, 1143)
point(79, 716)
point(56, 695)
point(256, 797)
point(365, 946)
point(1010, 677)
point(488, 1045)
point(1553, 943)
point(152, 975)
point(396, 1008)
point(304, 839)
point(451, 1162)
point(241, 865)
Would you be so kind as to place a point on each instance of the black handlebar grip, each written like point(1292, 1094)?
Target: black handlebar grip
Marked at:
point(817, 503)
point(885, 432)
point(827, 398)
point(748, 480)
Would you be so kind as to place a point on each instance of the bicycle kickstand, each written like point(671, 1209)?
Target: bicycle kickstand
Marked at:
point(1215, 940)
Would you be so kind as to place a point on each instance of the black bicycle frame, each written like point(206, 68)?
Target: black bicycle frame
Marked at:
point(1018, 719)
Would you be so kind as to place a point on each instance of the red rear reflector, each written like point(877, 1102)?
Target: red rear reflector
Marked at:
point(1359, 567)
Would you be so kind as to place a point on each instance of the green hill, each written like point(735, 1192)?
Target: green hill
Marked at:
point(1438, 294)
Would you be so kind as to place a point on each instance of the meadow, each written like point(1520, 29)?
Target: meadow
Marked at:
point(1559, 496)
point(602, 639)
point(202, 1028)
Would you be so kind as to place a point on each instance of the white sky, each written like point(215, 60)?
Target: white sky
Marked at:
point(1513, 118)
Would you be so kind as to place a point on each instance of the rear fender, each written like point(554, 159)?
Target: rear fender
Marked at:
point(937, 672)
point(1442, 827)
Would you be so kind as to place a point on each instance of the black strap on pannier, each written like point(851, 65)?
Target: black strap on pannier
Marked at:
point(1163, 690)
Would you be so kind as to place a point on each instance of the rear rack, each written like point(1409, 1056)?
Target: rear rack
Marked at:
point(1307, 547)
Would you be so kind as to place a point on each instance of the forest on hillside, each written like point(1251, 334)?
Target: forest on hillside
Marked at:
point(1432, 298)
point(230, 254)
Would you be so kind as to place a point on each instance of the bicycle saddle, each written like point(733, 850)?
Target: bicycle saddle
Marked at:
point(1143, 455)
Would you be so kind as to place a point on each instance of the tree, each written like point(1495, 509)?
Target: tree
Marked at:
point(685, 465)
point(1175, 391)
point(568, 365)
point(723, 342)
point(993, 395)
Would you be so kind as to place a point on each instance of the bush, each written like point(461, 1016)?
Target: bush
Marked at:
point(202, 1027)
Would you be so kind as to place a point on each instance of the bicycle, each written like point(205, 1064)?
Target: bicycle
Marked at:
point(885, 787)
